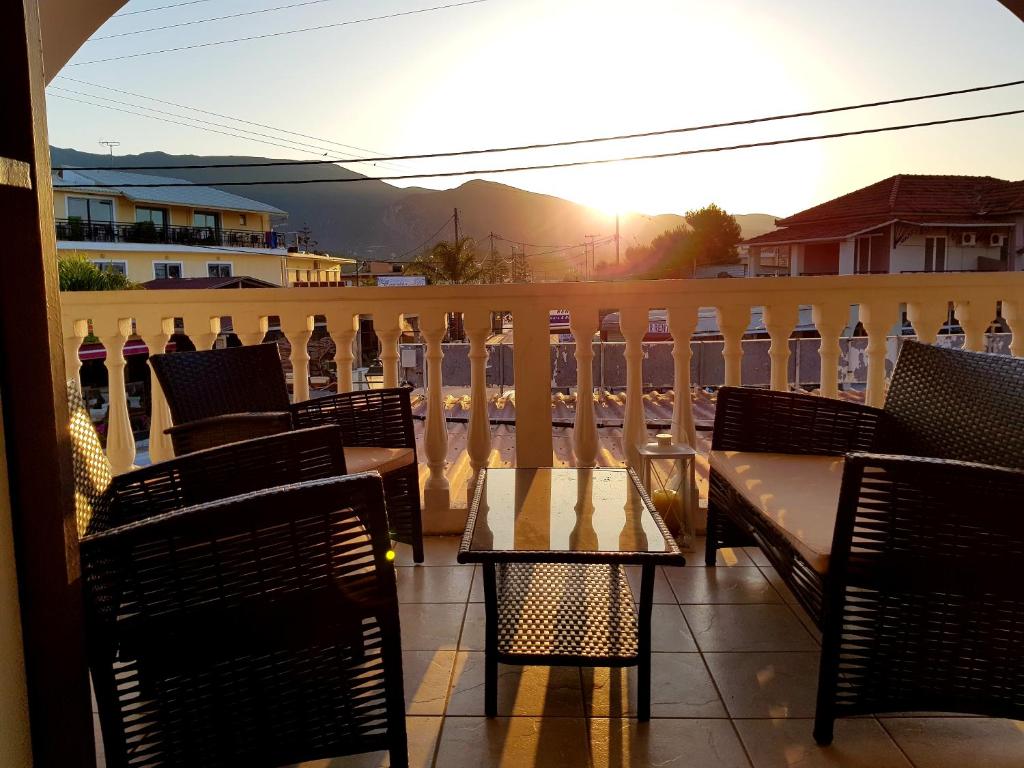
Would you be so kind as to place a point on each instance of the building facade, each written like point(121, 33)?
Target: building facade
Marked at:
point(906, 223)
point(171, 232)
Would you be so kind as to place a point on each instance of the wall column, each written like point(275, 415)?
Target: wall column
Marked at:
point(877, 319)
point(389, 330)
point(682, 322)
point(974, 319)
point(830, 320)
point(779, 320)
point(634, 323)
point(75, 333)
point(344, 331)
point(435, 433)
point(1013, 312)
point(733, 321)
point(156, 335)
point(298, 331)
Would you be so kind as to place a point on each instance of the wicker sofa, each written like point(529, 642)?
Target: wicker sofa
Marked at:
point(223, 395)
point(900, 530)
point(241, 606)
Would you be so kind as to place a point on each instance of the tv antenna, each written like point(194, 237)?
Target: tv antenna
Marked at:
point(110, 146)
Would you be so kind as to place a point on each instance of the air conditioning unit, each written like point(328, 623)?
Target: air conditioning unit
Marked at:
point(996, 241)
point(969, 239)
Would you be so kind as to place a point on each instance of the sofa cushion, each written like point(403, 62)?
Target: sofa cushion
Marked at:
point(798, 495)
point(383, 460)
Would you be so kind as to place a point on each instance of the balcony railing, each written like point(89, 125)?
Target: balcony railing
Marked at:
point(876, 301)
point(146, 232)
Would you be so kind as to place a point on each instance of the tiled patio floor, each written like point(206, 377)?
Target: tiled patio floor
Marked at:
point(734, 674)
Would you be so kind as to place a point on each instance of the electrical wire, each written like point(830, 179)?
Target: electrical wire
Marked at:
point(158, 8)
point(208, 20)
point(602, 161)
point(424, 244)
point(620, 137)
point(318, 139)
point(277, 34)
point(352, 161)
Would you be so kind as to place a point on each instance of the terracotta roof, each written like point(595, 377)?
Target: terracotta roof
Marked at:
point(909, 194)
point(819, 231)
point(239, 281)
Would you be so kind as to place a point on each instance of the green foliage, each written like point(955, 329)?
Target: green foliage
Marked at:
point(449, 263)
point(710, 237)
point(77, 273)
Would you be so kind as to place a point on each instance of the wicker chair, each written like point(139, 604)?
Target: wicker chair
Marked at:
point(232, 620)
point(224, 395)
point(899, 530)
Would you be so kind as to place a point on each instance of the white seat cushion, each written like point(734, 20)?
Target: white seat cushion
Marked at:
point(384, 460)
point(799, 495)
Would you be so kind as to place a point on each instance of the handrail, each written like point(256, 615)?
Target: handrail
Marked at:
point(877, 303)
point(143, 232)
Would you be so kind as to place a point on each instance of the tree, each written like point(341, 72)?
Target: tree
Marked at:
point(714, 235)
point(448, 263)
point(77, 273)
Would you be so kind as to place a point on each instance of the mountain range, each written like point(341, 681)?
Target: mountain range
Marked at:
point(350, 214)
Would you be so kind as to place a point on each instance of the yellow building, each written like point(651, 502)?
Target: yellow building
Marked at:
point(181, 230)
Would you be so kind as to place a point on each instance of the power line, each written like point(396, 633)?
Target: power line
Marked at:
point(174, 122)
point(621, 137)
point(158, 8)
point(300, 144)
point(278, 34)
point(422, 245)
point(578, 163)
point(206, 21)
point(209, 112)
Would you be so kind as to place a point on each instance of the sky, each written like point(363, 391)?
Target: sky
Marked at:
point(510, 72)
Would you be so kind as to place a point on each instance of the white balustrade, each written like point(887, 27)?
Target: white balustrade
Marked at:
point(583, 324)
point(478, 443)
point(113, 333)
point(779, 321)
point(435, 433)
point(830, 320)
point(156, 332)
point(733, 321)
point(297, 327)
point(75, 335)
point(389, 331)
point(343, 330)
point(1013, 312)
point(878, 318)
point(975, 317)
point(682, 322)
point(877, 300)
point(633, 323)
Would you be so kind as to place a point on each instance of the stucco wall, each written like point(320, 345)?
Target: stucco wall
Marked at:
point(265, 266)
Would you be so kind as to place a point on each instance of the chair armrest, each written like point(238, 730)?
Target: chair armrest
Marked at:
point(376, 417)
point(928, 525)
point(228, 428)
point(229, 470)
point(785, 422)
point(327, 536)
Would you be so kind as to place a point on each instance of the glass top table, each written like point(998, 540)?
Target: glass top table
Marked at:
point(565, 515)
point(553, 544)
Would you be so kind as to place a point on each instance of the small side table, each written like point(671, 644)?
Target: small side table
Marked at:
point(672, 486)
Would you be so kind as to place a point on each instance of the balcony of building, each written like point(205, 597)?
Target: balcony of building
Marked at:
point(77, 230)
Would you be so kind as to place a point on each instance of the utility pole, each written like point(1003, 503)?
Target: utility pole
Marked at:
point(593, 254)
point(456, 218)
point(616, 238)
point(110, 146)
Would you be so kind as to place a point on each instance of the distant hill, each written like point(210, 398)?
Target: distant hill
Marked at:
point(375, 219)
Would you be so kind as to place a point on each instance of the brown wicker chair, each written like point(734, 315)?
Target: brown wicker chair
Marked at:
point(224, 395)
point(235, 616)
point(901, 529)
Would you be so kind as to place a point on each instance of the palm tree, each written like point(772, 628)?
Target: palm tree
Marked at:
point(448, 263)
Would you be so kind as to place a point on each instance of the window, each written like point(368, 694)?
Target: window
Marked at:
point(218, 269)
point(165, 269)
point(91, 210)
point(207, 219)
point(863, 255)
point(935, 254)
point(241, 219)
point(155, 216)
point(121, 267)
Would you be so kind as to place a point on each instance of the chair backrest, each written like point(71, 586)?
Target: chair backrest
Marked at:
point(952, 404)
point(215, 382)
point(91, 468)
